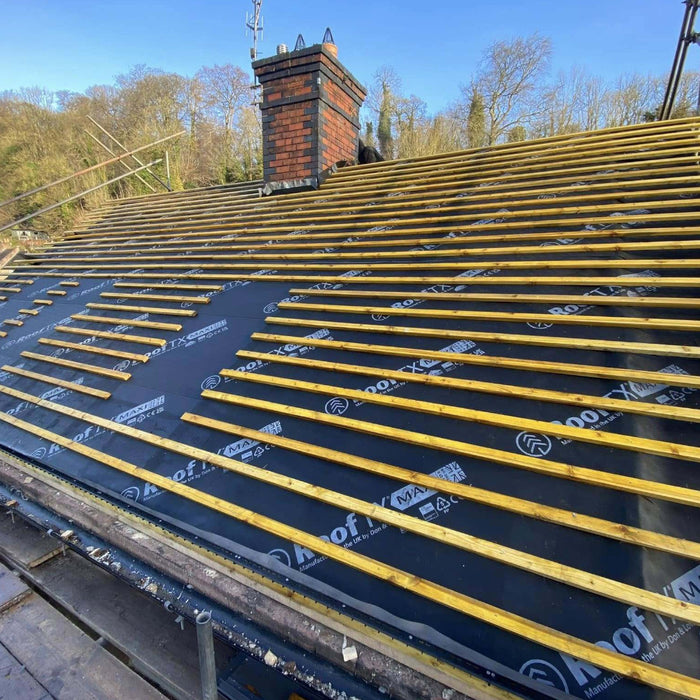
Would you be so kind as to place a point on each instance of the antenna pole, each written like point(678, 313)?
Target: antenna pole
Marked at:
point(254, 23)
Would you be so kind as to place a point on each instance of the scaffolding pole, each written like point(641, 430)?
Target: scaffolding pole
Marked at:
point(91, 168)
point(124, 148)
point(687, 37)
point(77, 196)
point(121, 162)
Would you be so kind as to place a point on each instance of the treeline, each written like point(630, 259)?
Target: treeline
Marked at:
point(43, 137)
point(511, 96)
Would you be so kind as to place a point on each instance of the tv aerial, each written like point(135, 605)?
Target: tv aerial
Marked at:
point(254, 23)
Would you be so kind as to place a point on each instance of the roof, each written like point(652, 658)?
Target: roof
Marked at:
point(455, 395)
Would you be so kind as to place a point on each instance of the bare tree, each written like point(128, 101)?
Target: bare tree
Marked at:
point(226, 92)
point(633, 99)
point(384, 92)
point(411, 126)
point(563, 105)
point(594, 99)
point(508, 78)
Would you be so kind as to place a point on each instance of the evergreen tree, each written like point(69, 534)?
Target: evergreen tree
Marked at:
point(369, 134)
point(476, 121)
point(386, 141)
point(517, 133)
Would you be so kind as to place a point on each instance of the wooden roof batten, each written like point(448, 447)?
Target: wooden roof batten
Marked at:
point(382, 258)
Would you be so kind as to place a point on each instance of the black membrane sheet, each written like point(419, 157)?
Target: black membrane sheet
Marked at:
point(171, 382)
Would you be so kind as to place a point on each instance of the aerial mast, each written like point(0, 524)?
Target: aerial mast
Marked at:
point(254, 23)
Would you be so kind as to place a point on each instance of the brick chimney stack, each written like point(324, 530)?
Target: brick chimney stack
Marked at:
point(310, 115)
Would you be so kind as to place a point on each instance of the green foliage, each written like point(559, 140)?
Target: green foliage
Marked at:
point(510, 96)
point(369, 134)
point(476, 120)
point(42, 138)
point(517, 133)
point(384, 135)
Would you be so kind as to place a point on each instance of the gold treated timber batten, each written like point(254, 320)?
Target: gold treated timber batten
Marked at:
point(475, 173)
point(585, 475)
point(595, 212)
point(393, 254)
point(575, 281)
point(514, 391)
point(453, 265)
point(362, 190)
point(193, 287)
point(134, 206)
point(622, 374)
point(81, 366)
point(136, 323)
point(94, 349)
point(73, 386)
point(29, 312)
point(455, 161)
point(515, 171)
point(13, 322)
point(156, 297)
point(155, 310)
point(661, 349)
point(364, 234)
point(578, 143)
point(472, 203)
point(107, 335)
point(344, 244)
point(679, 324)
point(640, 671)
point(484, 192)
point(572, 141)
point(620, 441)
point(556, 571)
point(190, 232)
point(516, 179)
point(437, 183)
point(209, 236)
point(579, 300)
point(531, 509)
point(533, 158)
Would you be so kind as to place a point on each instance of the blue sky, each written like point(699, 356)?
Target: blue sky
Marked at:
point(72, 44)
